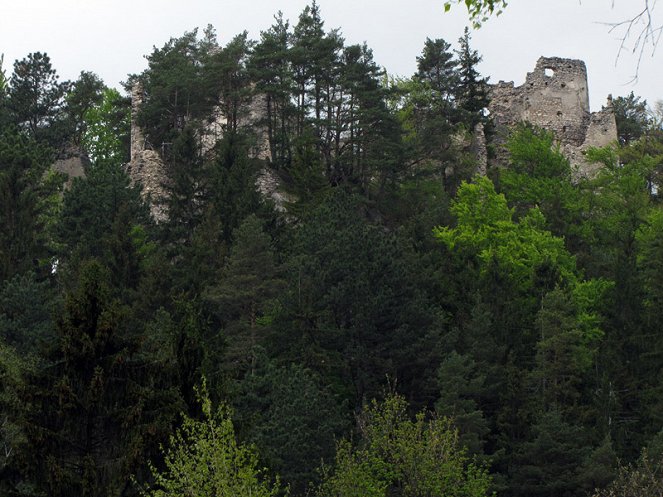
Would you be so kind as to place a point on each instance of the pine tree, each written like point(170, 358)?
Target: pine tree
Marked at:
point(269, 67)
point(36, 98)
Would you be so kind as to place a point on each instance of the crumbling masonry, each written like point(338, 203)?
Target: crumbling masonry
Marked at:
point(555, 97)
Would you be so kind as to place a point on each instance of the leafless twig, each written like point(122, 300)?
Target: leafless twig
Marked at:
point(641, 29)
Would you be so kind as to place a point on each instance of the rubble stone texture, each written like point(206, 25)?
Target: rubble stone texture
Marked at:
point(147, 166)
point(555, 97)
point(72, 162)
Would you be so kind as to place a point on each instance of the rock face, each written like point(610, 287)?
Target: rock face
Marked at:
point(555, 97)
point(148, 168)
point(72, 162)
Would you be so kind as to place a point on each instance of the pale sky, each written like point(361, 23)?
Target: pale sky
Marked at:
point(111, 37)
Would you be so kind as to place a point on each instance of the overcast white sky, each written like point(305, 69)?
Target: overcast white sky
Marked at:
point(110, 37)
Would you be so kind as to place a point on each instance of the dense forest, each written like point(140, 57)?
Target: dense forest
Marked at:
point(399, 326)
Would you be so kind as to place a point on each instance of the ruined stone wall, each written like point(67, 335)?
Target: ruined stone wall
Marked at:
point(555, 97)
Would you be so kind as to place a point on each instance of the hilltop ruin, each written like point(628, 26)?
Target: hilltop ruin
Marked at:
point(555, 97)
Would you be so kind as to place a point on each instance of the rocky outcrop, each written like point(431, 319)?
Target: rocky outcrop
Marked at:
point(71, 162)
point(146, 166)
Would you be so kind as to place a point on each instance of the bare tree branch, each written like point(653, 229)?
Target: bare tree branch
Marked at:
point(637, 33)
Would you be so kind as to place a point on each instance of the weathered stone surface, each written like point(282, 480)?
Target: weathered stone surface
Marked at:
point(555, 97)
point(479, 149)
point(146, 166)
point(269, 185)
point(72, 162)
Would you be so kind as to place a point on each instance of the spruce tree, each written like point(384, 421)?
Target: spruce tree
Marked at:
point(100, 400)
point(471, 93)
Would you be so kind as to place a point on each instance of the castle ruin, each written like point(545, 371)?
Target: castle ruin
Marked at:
point(555, 97)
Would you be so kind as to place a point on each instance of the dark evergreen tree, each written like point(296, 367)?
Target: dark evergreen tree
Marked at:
point(632, 118)
point(242, 296)
point(100, 400)
point(90, 210)
point(472, 91)
point(36, 98)
point(461, 387)
point(25, 210)
point(270, 69)
point(549, 463)
point(368, 145)
point(227, 70)
point(186, 189)
point(175, 89)
point(315, 61)
point(292, 419)
point(353, 311)
point(232, 184)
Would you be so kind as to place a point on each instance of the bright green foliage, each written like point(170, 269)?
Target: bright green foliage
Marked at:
point(549, 368)
point(405, 458)
point(204, 459)
point(479, 10)
point(641, 479)
point(105, 137)
point(539, 175)
point(486, 229)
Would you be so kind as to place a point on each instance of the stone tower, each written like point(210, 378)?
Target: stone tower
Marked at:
point(555, 97)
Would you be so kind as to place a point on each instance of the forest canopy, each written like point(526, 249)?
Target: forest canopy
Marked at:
point(384, 321)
